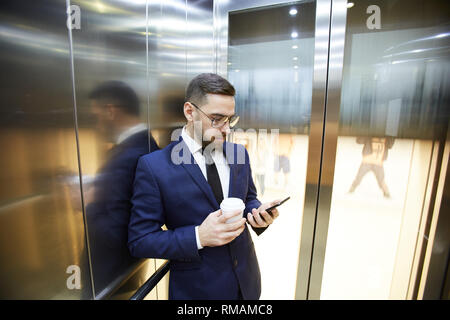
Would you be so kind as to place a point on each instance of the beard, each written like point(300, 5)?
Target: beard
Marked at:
point(213, 141)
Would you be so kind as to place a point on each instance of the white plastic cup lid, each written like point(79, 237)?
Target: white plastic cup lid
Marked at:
point(232, 204)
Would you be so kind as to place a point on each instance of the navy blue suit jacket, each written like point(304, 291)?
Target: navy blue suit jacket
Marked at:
point(177, 195)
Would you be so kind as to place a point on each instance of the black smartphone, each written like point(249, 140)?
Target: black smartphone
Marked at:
point(277, 205)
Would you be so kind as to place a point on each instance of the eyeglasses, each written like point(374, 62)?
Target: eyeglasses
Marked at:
point(220, 122)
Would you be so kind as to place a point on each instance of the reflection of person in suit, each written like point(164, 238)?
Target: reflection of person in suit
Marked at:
point(210, 259)
point(116, 108)
point(375, 152)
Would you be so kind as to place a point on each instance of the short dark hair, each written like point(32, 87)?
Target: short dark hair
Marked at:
point(206, 83)
point(118, 94)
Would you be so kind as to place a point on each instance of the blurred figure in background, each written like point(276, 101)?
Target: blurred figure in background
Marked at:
point(282, 159)
point(375, 152)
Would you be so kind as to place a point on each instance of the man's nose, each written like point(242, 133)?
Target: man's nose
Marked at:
point(226, 128)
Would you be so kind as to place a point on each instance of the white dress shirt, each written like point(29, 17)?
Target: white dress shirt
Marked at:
point(219, 159)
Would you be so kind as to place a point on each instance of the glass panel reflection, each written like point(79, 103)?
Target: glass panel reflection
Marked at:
point(271, 66)
point(42, 236)
point(393, 122)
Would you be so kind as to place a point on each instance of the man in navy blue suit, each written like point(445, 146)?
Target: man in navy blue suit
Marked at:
point(181, 187)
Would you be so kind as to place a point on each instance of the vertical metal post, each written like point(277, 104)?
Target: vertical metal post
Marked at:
point(75, 117)
point(331, 126)
point(315, 147)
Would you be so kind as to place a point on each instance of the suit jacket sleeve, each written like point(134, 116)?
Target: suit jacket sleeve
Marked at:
point(146, 239)
point(251, 201)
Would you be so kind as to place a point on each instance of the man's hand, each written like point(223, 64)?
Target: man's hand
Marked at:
point(214, 231)
point(256, 217)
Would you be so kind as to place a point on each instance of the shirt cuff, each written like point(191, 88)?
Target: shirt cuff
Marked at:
point(197, 237)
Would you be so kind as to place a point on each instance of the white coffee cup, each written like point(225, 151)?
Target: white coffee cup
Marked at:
point(229, 205)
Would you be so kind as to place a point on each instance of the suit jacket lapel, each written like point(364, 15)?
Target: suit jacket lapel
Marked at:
point(196, 173)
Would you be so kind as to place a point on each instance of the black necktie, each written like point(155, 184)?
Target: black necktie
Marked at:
point(212, 176)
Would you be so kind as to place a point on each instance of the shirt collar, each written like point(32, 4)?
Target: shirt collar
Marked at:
point(191, 143)
point(130, 131)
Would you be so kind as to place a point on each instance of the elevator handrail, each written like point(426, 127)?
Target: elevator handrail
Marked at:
point(151, 282)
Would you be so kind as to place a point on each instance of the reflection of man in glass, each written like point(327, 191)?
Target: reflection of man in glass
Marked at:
point(116, 108)
point(375, 152)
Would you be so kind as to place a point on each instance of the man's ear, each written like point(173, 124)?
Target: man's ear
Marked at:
point(187, 109)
